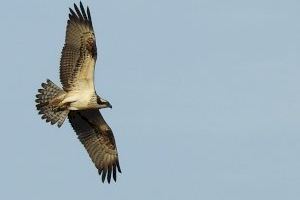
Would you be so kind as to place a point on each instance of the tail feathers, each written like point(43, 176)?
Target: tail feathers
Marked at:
point(52, 114)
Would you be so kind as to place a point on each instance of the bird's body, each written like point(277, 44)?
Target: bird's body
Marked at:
point(78, 99)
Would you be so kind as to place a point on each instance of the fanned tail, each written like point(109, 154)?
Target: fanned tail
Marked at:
point(46, 94)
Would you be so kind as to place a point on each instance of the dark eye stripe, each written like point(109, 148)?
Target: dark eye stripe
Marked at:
point(98, 100)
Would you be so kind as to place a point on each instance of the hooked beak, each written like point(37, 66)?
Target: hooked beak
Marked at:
point(109, 105)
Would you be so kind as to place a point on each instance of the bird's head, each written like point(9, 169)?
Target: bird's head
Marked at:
point(102, 103)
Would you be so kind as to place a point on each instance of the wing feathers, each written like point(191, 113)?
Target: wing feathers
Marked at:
point(114, 172)
point(104, 174)
point(83, 12)
point(78, 12)
point(98, 139)
point(109, 173)
point(77, 64)
point(72, 16)
point(80, 52)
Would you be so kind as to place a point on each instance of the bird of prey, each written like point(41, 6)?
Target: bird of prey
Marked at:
point(78, 99)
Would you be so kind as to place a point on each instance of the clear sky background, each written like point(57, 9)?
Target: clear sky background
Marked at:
point(205, 95)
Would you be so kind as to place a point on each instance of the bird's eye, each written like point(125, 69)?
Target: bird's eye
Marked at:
point(99, 100)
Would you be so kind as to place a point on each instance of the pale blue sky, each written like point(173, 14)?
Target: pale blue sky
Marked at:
point(205, 95)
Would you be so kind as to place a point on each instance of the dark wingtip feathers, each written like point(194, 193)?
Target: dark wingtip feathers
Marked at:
point(104, 175)
point(83, 11)
point(114, 172)
point(78, 12)
point(80, 15)
point(118, 165)
point(110, 172)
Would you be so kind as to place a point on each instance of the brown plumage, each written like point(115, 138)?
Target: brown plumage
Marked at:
point(99, 141)
point(48, 92)
point(80, 47)
point(78, 99)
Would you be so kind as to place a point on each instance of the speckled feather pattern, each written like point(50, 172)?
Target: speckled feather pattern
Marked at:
point(80, 45)
point(78, 99)
point(48, 92)
point(98, 139)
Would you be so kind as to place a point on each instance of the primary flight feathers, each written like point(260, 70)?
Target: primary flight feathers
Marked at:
point(78, 99)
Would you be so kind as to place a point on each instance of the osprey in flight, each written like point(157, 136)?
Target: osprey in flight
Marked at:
point(78, 99)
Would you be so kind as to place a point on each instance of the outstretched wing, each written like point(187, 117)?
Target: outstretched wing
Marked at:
point(98, 139)
point(79, 53)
